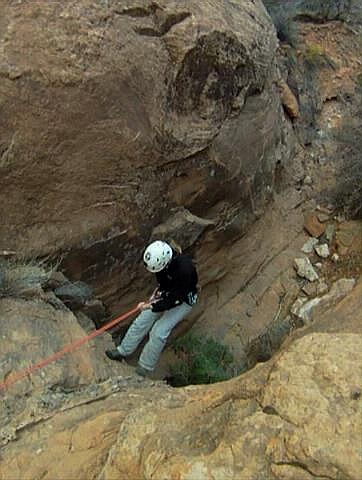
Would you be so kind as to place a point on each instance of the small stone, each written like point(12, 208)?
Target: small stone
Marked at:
point(297, 305)
point(308, 180)
point(309, 245)
point(322, 288)
point(38, 452)
point(313, 226)
point(318, 265)
point(55, 280)
point(327, 210)
point(305, 269)
point(323, 217)
point(330, 233)
point(322, 250)
point(310, 289)
point(335, 257)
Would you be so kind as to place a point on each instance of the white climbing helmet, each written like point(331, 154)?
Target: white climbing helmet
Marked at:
point(157, 256)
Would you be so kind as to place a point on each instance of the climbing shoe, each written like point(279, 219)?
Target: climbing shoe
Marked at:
point(114, 355)
point(143, 372)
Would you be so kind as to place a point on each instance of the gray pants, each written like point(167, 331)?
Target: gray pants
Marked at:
point(161, 323)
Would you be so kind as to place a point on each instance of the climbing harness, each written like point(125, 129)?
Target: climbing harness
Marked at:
point(67, 349)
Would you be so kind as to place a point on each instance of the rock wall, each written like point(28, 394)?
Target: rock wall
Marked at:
point(294, 417)
point(114, 115)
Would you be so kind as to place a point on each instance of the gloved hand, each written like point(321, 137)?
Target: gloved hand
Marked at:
point(144, 306)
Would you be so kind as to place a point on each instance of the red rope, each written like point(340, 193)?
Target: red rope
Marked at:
point(67, 349)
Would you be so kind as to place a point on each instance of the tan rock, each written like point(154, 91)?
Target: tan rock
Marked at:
point(315, 400)
point(31, 331)
point(349, 237)
point(299, 415)
point(289, 101)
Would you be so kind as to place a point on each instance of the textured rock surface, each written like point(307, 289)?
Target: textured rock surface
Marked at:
point(305, 269)
point(100, 101)
point(296, 419)
point(31, 331)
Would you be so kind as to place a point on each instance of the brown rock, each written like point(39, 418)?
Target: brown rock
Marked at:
point(289, 101)
point(147, 93)
point(313, 226)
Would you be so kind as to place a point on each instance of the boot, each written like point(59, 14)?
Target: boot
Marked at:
point(143, 372)
point(114, 355)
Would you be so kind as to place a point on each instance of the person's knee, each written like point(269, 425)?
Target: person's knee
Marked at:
point(159, 334)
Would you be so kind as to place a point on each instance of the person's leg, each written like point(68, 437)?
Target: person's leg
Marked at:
point(136, 332)
point(158, 335)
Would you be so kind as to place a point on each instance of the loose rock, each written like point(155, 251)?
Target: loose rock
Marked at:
point(289, 101)
point(338, 291)
point(297, 305)
point(322, 287)
point(305, 269)
point(309, 245)
point(323, 217)
point(56, 280)
point(313, 226)
point(310, 289)
point(335, 257)
point(308, 180)
point(330, 233)
point(74, 295)
point(322, 250)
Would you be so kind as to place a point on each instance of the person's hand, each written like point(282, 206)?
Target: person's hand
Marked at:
point(144, 306)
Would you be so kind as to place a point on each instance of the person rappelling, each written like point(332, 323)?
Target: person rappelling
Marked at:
point(172, 300)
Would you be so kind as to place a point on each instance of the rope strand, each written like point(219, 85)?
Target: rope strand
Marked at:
point(67, 349)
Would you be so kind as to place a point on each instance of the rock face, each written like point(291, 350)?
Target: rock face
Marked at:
point(297, 417)
point(101, 101)
point(31, 331)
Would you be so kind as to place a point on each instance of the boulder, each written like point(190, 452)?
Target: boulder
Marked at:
point(33, 330)
point(74, 295)
point(101, 101)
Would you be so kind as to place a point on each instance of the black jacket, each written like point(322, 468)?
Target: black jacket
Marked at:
point(176, 282)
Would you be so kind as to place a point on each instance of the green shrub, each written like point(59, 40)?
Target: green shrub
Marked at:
point(202, 360)
point(18, 276)
point(315, 56)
